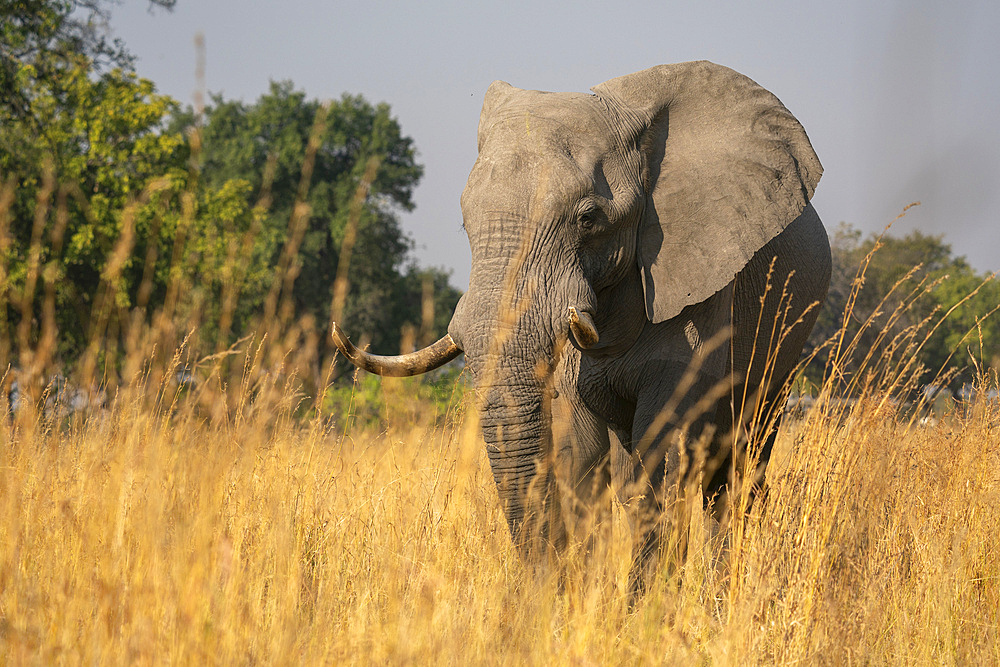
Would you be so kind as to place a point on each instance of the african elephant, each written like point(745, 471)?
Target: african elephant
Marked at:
point(637, 224)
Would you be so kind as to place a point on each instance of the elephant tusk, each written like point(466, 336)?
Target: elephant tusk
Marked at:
point(583, 328)
point(403, 365)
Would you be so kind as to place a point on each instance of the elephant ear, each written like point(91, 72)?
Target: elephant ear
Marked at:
point(495, 95)
point(727, 169)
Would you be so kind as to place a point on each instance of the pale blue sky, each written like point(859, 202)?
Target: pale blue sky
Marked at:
point(901, 99)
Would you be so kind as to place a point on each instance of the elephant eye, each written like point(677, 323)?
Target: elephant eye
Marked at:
point(587, 218)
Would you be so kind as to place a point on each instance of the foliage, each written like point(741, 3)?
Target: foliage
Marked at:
point(905, 285)
point(42, 39)
point(306, 161)
point(87, 147)
point(103, 203)
point(372, 403)
point(119, 211)
point(91, 182)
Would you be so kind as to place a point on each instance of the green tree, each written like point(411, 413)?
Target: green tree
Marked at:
point(41, 39)
point(97, 193)
point(907, 287)
point(267, 144)
point(118, 210)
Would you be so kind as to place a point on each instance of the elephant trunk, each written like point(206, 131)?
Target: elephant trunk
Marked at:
point(511, 330)
point(518, 442)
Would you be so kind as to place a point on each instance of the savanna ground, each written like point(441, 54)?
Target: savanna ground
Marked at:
point(210, 525)
point(245, 507)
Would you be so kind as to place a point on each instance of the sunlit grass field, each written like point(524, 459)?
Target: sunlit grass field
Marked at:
point(162, 531)
point(231, 509)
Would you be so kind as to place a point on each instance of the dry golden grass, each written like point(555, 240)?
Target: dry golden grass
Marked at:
point(211, 525)
point(148, 535)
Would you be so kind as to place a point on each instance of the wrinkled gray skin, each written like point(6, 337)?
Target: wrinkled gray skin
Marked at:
point(656, 206)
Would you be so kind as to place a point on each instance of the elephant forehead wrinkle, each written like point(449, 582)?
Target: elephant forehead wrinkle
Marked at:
point(570, 117)
point(527, 184)
point(548, 142)
point(553, 119)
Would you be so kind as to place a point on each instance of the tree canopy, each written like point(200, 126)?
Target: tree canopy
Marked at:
point(118, 208)
point(887, 291)
point(81, 140)
point(40, 39)
point(267, 146)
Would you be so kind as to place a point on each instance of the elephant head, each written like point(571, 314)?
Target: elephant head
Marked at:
point(593, 216)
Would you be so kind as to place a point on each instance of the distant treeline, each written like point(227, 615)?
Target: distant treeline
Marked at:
point(906, 303)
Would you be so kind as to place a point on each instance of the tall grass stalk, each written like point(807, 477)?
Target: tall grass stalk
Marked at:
point(142, 535)
point(234, 519)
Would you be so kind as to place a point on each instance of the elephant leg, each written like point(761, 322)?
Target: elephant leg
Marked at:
point(669, 454)
point(622, 469)
point(725, 469)
point(582, 463)
point(641, 508)
point(642, 473)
